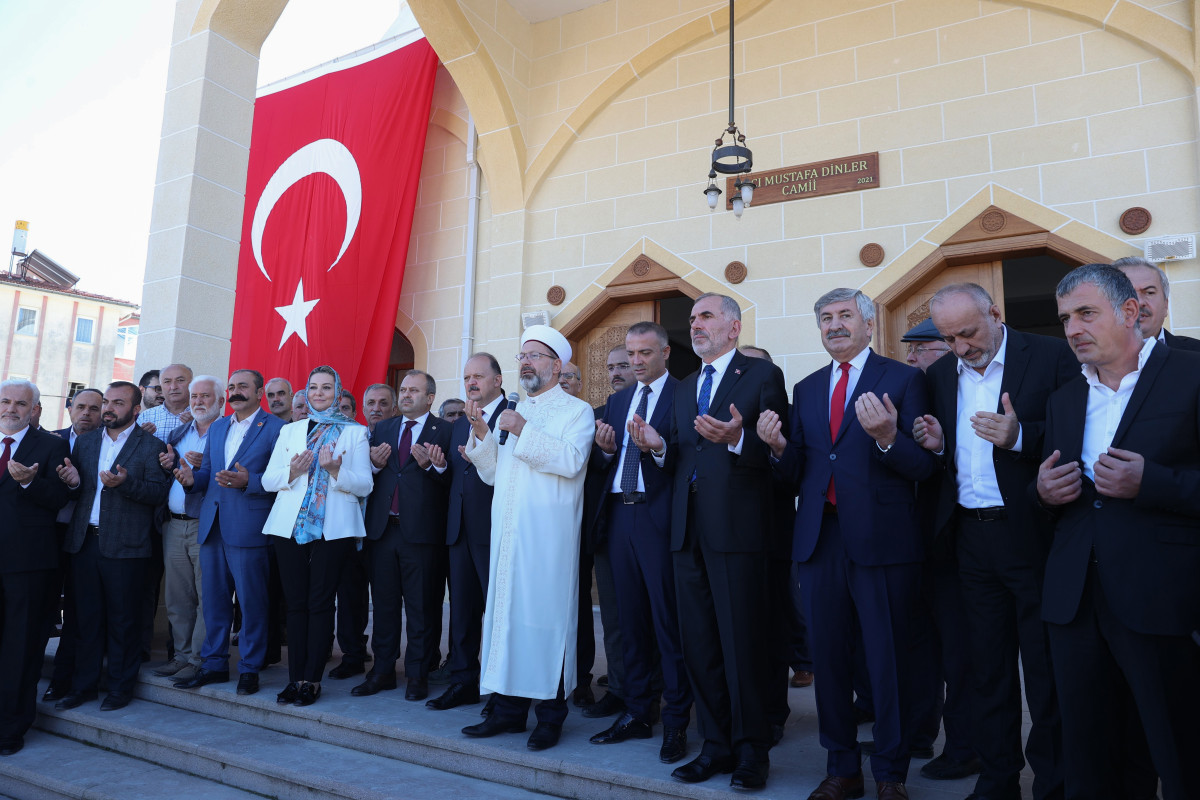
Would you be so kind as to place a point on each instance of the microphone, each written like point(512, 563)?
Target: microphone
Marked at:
point(512, 403)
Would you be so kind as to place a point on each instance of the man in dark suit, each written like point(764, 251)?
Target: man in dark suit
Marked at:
point(1154, 294)
point(988, 421)
point(233, 548)
point(468, 536)
point(85, 416)
point(1121, 488)
point(406, 517)
point(30, 496)
point(634, 514)
point(115, 476)
point(857, 538)
point(720, 516)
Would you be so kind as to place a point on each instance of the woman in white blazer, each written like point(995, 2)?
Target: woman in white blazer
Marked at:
point(320, 471)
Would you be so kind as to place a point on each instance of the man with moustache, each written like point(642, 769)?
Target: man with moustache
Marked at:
point(721, 512)
point(406, 515)
point(857, 540)
point(115, 476)
point(452, 409)
point(181, 546)
point(635, 514)
point(989, 411)
point(300, 405)
point(30, 498)
point(233, 548)
point(620, 373)
point(571, 380)
point(347, 404)
point(85, 416)
point(468, 535)
point(538, 473)
point(1120, 489)
point(1154, 295)
point(279, 398)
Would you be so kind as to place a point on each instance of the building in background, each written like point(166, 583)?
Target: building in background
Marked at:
point(60, 338)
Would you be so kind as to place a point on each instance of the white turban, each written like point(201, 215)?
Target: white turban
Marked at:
point(549, 337)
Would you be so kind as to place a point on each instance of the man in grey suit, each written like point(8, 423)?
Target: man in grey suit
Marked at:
point(115, 476)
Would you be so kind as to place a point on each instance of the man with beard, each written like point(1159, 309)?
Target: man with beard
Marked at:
point(279, 398)
point(151, 387)
point(721, 514)
point(533, 580)
point(620, 373)
point(857, 537)
point(1154, 294)
point(406, 517)
point(30, 497)
point(85, 416)
point(181, 545)
point(115, 475)
point(468, 535)
point(233, 548)
point(379, 403)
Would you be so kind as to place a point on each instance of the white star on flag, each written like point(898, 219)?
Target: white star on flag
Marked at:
point(295, 314)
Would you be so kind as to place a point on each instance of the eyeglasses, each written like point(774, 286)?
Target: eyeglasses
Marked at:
point(918, 349)
point(621, 366)
point(566, 376)
point(532, 358)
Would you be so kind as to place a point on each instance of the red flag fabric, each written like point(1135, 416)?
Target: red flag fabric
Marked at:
point(330, 191)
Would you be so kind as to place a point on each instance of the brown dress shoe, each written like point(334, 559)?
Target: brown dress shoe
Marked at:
point(837, 788)
point(801, 679)
point(886, 790)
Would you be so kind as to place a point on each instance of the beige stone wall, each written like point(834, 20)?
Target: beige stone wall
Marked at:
point(957, 97)
point(52, 359)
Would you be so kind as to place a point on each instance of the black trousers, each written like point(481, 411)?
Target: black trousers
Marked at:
point(512, 708)
point(68, 639)
point(1002, 573)
point(405, 586)
point(468, 595)
point(585, 638)
point(722, 599)
point(109, 601)
point(942, 673)
point(781, 649)
point(353, 609)
point(24, 598)
point(1093, 655)
point(310, 573)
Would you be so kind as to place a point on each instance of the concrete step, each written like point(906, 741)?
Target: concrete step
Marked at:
point(53, 768)
point(254, 758)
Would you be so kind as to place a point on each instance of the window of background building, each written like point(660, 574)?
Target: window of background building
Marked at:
point(83, 330)
point(127, 341)
point(27, 321)
point(73, 388)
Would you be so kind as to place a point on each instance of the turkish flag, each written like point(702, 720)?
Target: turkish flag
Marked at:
point(330, 191)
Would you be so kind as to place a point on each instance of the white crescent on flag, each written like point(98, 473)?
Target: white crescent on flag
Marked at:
point(324, 155)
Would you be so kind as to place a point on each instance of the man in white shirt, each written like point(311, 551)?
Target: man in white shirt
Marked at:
point(162, 420)
point(279, 398)
point(1154, 295)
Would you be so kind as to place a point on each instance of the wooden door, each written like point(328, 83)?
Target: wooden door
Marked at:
point(903, 314)
point(592, 353)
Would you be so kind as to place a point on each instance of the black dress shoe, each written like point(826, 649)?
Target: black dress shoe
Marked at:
point(609, 704)
point(945, 768)
point(247, 683)
point(626, 727)
point(486, 711)
point(55, 693)
point(203, 678)
point(309, 693)
point(346, 669)
point(417, 689)
point(582, 697)
point(374, 684)
point(748, 775)
point(75, 700)
point(545, 735)
point(10, 747)
point(702, 768)
point(290, 694)
point(116, 700)
point(674, 746)
point(492, 726)
point(458, 694)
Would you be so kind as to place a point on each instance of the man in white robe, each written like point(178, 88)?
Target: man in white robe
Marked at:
point(529, 625)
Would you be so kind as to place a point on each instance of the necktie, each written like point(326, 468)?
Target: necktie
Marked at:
point(6, 455)
point(402, 452)
point(705, 397)
point(629, 469)
point(837, 410)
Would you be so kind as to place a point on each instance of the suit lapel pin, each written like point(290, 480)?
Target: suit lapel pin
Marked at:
point(737, 372)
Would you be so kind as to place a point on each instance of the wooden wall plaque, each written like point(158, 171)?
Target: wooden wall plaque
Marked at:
point(837, 175)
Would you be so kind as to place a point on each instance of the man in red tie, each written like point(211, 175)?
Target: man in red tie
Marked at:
point(850, 452)
point(406, 534)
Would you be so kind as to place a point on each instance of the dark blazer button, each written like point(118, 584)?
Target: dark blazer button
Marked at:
point(699, 447)
point(1098, 504)
point(833, 456)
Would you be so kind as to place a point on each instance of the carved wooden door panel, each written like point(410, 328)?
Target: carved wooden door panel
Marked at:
point(607, 334)
point(914, 308)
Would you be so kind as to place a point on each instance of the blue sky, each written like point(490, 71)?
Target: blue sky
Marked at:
point(81, 100)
